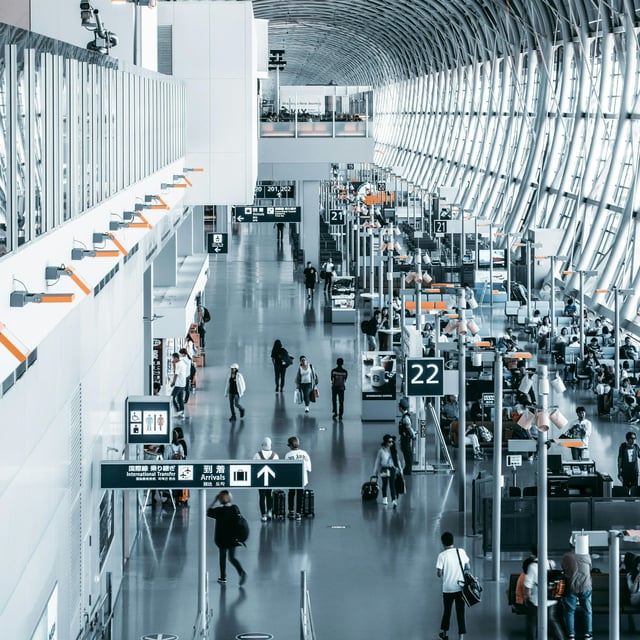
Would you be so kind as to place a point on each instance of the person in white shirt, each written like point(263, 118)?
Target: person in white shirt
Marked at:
point(178, 383)
point(531, 603)
point(295, 496)
point(234, 390)
point(450, 566)
point(580, 430)
point(265, 495)
point(329, 269)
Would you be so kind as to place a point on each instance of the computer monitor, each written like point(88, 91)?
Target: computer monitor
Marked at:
point(554, 463)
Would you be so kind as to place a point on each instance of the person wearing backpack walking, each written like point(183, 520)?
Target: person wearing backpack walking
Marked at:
point(265, 496)
point(226, 516)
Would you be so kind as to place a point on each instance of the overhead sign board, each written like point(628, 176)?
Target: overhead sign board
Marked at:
point(148, 419)
point(266, 214)
point(336, 216)
point(439, 226)
point(425, 376)
point(200, 474)
point(267, 190)
point(217, 243)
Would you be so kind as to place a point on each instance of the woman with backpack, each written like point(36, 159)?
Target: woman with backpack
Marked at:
point(226, 516)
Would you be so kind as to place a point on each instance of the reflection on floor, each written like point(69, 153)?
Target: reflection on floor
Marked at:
point(371, 569)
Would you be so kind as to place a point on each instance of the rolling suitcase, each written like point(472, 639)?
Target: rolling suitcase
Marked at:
point(369, 491)
point(308, 503)
point(279, 504)
point(181, 496)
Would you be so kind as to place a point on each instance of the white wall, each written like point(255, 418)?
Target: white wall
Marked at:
point(300, 150)
point(16, 13)
point(96, 344)
point(214, 53)
point(61, 20)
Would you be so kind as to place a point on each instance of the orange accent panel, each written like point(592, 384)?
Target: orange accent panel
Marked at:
point(12, 348)
point(50, 299)
point(107, 254)
point(198, 169)
point(140, 225)
point(118, 244)
point(427, 305)
point(76, 278)
point(178, 185)
point(520, 355)
point(187, 181)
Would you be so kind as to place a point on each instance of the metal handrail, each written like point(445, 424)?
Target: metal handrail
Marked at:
point(307, 631)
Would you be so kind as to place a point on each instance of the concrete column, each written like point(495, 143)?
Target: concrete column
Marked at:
point(165, 265)
point(310, 228)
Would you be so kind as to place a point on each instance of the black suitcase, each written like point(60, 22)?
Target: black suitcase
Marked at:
point(279, 504)
point(308, 503)
point(369, 490)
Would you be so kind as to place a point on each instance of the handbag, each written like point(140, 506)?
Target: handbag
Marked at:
point(400, 486)
point(297, 397)
point(313, 396)
point(471, 589)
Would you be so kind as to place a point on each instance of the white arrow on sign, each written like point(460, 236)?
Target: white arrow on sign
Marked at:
point(239, 218)
point(217, 249)
point(266, 472)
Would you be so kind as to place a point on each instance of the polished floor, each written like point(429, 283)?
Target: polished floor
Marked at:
point(371, 569)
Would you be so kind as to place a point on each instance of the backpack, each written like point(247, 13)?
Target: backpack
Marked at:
point(206, 316)
point(285, 358)
point(241, 528)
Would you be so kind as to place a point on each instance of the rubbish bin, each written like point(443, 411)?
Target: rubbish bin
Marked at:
point(607, 484)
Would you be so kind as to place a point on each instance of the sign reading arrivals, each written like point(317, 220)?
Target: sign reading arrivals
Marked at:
point(147, 419)
point(266, 214)
point(200, 474)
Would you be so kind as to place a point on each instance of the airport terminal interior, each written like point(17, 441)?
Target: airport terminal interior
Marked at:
point(443, 195)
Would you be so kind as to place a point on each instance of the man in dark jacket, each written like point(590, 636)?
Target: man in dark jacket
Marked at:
point(407, 435)
point(628, 461)
point(338, 380)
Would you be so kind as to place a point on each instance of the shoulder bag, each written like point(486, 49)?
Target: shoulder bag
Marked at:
point(471, 589)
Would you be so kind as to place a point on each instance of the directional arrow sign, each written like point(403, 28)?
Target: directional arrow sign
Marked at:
point(217, 242)
point(200, 474)
point(265, 472)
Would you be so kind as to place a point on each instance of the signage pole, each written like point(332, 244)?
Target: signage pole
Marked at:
point(496, 541)
point(614, 584)
point(203, 619)
point(346, 232)
point(543, 399)
point(462, 422)
point(491, 267)
point(419, 291)
point(372, 266)
point(381, 281)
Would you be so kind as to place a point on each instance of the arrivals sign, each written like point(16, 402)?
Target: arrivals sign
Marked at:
point(266, 214)
point(200, 474)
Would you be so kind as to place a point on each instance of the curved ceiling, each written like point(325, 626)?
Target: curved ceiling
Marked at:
point(373, 42)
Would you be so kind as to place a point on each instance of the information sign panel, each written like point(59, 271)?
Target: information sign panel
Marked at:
point(439, 226)
point(201, 474)
point(217, 242)
point(266, 214)
point(425, 376)
point(267, 190)
point(514, 460)
point(489, 399)
point(336, 216)
point(381, 186)
point(148, 419)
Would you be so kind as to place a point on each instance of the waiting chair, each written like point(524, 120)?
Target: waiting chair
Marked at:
point(618, 491)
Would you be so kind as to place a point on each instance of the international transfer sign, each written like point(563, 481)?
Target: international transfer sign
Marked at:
point(200, 474)
point(266, 214)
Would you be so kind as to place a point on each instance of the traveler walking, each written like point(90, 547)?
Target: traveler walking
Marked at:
point(628, 461)
point(407, 435)
point(578, 588)
point(191, 372)
point(385, 468)
point(296, 496)
point(328, 268)
point(265, 497)
point(449, 567)
point(234, 390)
point(580, 430)
point(338, 380)
point(310, 278)
point(226, 516)
point(178, 384)
point(281, 360)
point(306, 381)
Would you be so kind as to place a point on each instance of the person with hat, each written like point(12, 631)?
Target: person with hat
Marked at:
point(296, 496)
point(407, 435)
point(628, 455)
point(265, 496)
point(386, 468)
point(234, 390)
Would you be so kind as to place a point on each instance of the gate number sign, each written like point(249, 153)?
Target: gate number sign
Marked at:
point(336, 216)
point(425, 376)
